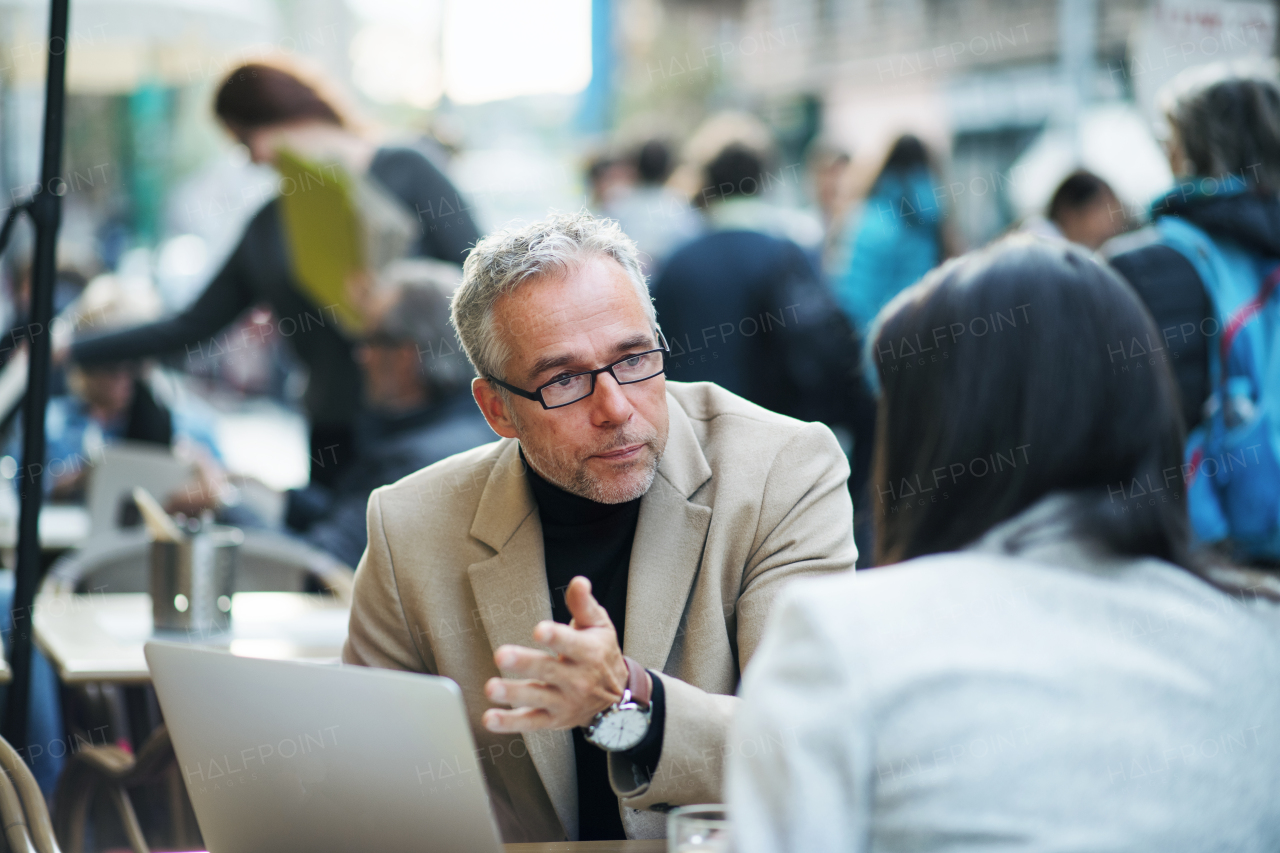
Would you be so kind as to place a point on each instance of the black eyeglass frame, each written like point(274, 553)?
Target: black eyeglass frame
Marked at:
point(536, 394)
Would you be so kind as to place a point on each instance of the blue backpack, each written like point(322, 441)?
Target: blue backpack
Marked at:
point(1232, 465)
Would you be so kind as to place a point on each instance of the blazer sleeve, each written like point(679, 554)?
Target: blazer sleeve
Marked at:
point(799, 776)
point(805, 528)
point(378, 634)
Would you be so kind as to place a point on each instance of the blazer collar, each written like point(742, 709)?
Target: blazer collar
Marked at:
point(511, 594)
point(670, 535)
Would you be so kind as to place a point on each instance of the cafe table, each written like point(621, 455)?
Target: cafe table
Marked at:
point(658, 846)
point(655, 846)
point(99, 637)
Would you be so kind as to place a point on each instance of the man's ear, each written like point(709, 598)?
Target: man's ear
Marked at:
point(493, 407)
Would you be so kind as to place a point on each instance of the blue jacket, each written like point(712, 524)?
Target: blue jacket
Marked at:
point(892, 245)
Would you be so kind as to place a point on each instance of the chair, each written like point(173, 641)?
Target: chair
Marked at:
point(26, 820)
point(116, 771)
point(268, 562)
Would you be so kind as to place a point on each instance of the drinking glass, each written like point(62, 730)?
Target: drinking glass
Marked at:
point(698, 829)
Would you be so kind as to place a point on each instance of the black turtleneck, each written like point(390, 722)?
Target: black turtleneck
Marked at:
point(583, 537)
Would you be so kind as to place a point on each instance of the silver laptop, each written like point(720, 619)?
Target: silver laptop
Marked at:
point(284, 756)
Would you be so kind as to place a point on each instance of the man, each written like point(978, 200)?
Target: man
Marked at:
point(749, 311)
point(415, 384)
point(1083, 210)
point(656, 519)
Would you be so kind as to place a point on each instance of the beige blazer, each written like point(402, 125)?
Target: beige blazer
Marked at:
point(744, 501)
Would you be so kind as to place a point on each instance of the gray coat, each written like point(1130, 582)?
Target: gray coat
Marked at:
point(1028, 694)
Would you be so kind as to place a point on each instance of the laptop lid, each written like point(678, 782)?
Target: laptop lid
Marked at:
point(280, 756)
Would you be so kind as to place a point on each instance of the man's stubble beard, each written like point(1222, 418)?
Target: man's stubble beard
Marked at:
point(573, 475)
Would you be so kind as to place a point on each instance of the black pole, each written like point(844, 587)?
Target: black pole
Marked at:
point(46, 211)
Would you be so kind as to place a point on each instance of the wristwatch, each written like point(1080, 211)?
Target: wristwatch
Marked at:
point(624, 724)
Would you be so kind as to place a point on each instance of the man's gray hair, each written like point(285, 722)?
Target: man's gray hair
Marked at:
point(420, 315)
point(502, 261)
point(1227, 117)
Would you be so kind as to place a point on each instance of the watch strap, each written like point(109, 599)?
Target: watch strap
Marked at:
point(637, 682)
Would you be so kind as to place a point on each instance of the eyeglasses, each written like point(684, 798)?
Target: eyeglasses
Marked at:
point(570, 389)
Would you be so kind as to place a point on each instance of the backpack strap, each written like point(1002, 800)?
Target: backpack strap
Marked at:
point(1229, 276)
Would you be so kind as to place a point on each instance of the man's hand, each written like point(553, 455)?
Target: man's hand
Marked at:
point(584, 675)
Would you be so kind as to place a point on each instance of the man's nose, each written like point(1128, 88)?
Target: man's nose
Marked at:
point(609, 402)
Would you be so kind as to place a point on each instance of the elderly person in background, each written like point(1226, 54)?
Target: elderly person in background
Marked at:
point(419, 406)
point(619, 514)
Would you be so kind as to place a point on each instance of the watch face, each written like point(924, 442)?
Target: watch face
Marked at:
point(621, 729)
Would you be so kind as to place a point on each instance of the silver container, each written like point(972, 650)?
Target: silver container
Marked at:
point(192, 581)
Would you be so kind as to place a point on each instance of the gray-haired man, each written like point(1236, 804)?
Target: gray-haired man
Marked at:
point(620, 513)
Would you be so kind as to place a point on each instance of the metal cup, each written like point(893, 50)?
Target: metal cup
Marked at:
point(192, 581)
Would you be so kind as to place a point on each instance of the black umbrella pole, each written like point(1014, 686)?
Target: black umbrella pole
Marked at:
point(46, 211)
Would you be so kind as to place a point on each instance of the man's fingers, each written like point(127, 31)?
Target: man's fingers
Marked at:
point(586, 611)
point(522, 661)
point(572, 643)
point(519, 720)
point(524, 693)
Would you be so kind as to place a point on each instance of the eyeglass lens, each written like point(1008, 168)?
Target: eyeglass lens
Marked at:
point(573, 388)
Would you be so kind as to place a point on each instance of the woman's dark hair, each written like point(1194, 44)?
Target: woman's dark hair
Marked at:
point(259, 94)
point(1019, 370)
point(1227, 116)
point(1076, 192)
point(908, 154)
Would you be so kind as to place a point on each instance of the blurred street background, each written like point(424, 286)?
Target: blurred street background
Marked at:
point(535, 106)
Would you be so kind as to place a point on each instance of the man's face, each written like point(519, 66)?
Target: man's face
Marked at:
point(605, 447)
point(109, 390)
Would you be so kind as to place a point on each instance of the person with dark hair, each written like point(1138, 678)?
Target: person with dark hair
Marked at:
point(272, 108)
point(897, 237)
point(1207, 269)
point(419, 408)
point(1085, 210)
point(656, 216)
point(1041, 663)
point(749, 311)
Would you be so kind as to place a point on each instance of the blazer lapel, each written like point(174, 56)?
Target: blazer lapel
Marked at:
point(670, 536)
point(511, 595)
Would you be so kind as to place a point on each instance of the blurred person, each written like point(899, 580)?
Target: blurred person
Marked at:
point(418, 406)
point(829, 167)
point(1208, 271)
point(1045, 665)
point(620, 514)
point(1083, 210)
point(733, 175)
point(658, 217)
point(749, 311)
point(125, 401)
point(269, 107)
point(609, 178)
point(896, 238)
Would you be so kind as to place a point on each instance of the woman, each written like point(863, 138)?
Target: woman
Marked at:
point(270, 108)
point(898, 237)
point(1045, 667)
